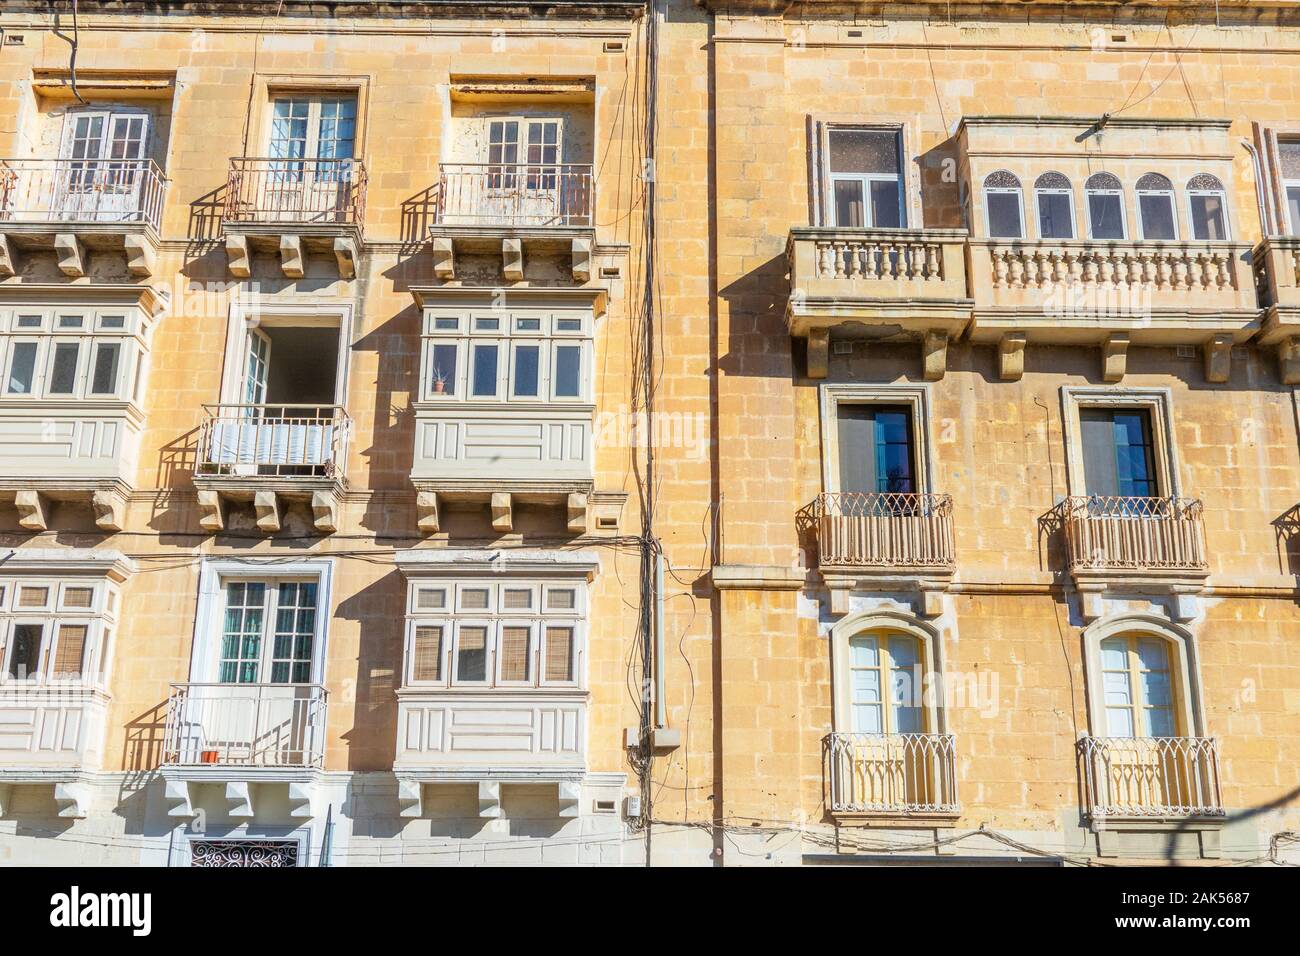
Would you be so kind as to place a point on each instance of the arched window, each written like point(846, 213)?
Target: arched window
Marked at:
point(1055, 201)
point(1138, 682)
point(885, 679)
point(1106, 218)
point(1207, 207)
point(1003, 208)
point(1155, 202)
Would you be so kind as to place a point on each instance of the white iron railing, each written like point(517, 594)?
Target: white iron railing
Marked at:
point(1136, 534)
point(884, 529)
point(274, 441)
point(82, 190)
point(892, 773)
point(1151, 776)
point(262, 725)
point(521, 194)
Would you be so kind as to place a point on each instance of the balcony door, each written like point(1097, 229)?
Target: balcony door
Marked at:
point(525, 182)
point(1118, 453)
point(101, 175)
point(312, 140)
point(864, 178)
point(877, 452)
point(262, 708)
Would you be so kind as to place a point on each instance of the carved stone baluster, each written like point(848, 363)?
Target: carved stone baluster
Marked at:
point(838, 252)
point(1181, 278)
point(825, 259)
point(932, 251)
point(1223, 275)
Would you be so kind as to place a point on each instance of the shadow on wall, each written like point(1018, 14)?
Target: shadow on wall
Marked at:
point(418, 214)
point(379, 609)
point(758, 341)
point(938, 172)
point(1286, 528)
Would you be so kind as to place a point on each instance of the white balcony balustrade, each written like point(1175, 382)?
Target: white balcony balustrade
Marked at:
point(522, 194)
point(892, 773)
point(1151, 777)
point(81, 190)
point(246, 725)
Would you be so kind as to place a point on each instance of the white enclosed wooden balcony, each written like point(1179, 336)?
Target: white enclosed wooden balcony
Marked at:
point(51, 725)
point(294, 207)
point(878, 285)
point(1150, 777)
point(1112, 294)
point(1277, 278)
point(513, 210)
point(74, 207)
point(271, 455)
point(892, 774)
point(1135, 537)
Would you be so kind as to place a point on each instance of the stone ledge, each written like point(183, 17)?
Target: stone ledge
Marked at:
point(757, 577)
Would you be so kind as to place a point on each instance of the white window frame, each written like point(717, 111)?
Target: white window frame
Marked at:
point(877, 621)
point(1222, 194)
point(1158, 403)
point(506, 337)
point(914, 397)
point(247, 318)
point(131, 337)
point(1038, 215)
point(100, 620)
point(215, 573)
point(1173, 211)
point(829, 177)
point(1184, 667)
point(1123, 211)
point(453, 617)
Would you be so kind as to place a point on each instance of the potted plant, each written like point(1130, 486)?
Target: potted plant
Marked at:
point(439, 381)
point(208, 756)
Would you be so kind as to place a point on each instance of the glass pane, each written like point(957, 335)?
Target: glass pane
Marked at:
point(866, 719)
point(427, 599)
point(525, 371)
point(863, 151)
point(1119, 722)
point(568, 368)
point(33, 597)
point(22, 369)
point(515, 653)
point(25, 660)
point(885, 210)
point(1004, 215)
point(63, 374)
point(1105, 212)
point(1114, 654)
point(516, 599)
point(471, 654)
point(561, 599)
point(485, 370)
point(442, 376)
point(474, 599)
point(1293, 208)
point(1054, 219)
point(863, 652)
point(104, 379)
point(426, 654)
point(1289, 155)
point(1160, 722)
point(1157, 216)
point(559, 654)
point(1207, 217)
point(80, 598)
point(848, 203)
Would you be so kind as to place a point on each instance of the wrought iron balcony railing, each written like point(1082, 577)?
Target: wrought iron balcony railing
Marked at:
point(260, 725)
point(884, 530)
point(892, 773)
point(1135, 534)
point(296, 191)
point(521, 194)
point(1151, 776)
point(82, 190)
point(278, 441)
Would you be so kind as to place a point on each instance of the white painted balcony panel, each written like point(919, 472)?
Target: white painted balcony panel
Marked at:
point(35, 443)
point(531, 445)
point(51, 727)
point(446, 729)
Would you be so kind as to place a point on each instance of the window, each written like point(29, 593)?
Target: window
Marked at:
point(312, 127)
point(876, 449)
point(1155, 200)
point(1207, 205)
point(864, 177)
point(885, 681)
point(1105, 207)
point(1138, 685)
point(1288, 154)
point(1005, 218)
point(514, 633)
point(522, 357)
point(55, 630)
point(1118, 453)
point(71, 356)
point(1055, 199)
point(268, 632)
point(104, 174)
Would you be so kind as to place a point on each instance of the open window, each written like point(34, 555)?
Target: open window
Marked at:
point(1106, 218)
point(1054, 197)
point(56, 630)
point(1207, 207)
point(1003, 206)
point(1155, 202)
point(1119, 454)
point(864, 177)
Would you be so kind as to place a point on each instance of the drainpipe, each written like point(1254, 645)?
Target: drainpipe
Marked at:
point(661, 707)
